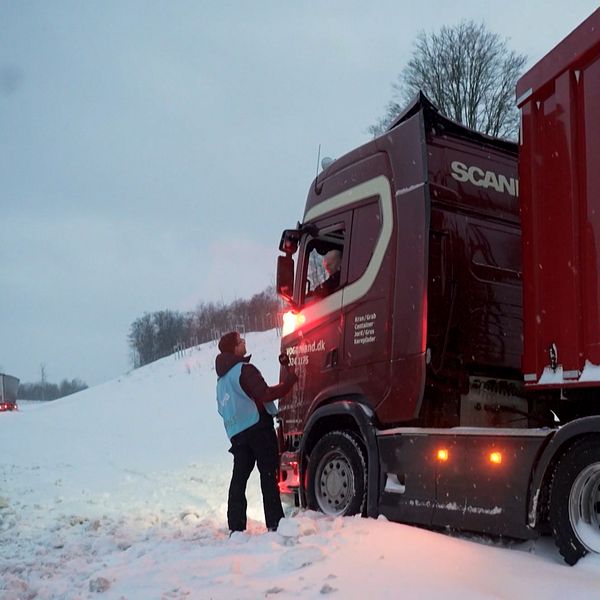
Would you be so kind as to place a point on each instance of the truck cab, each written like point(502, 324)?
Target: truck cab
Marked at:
point(428, 306)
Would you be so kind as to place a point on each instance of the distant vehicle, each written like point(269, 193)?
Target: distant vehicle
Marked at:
point(9, 386)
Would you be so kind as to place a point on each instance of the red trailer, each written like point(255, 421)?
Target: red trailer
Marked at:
point(559, 171)
point(412, 401)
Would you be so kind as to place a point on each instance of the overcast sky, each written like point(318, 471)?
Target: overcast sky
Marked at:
point(152, 152)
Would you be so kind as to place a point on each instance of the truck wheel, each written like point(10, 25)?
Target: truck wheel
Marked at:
point(337, 475)
point(575, 501)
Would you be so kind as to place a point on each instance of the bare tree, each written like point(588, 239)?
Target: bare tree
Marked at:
point(43, 379)
point(142, 338)
point(468, 72)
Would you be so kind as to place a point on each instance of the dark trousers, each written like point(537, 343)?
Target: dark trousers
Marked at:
point(257, 445)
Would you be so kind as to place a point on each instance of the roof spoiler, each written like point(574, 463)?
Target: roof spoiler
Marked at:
point(419, 102)
point(433, 116)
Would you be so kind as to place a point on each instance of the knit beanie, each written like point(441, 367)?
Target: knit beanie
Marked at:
point(229, 341)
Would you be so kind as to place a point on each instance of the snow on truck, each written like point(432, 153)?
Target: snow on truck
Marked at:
point(453, 377)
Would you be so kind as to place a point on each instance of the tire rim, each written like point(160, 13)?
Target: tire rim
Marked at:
point(334, 483)
point(584, 507)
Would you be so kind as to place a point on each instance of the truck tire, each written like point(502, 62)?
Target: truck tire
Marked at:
point(574, 511)
point(337, 475)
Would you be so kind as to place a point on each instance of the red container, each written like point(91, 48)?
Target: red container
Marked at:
point(559, 171)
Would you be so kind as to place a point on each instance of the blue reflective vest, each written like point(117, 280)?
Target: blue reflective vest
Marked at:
point(238, 410)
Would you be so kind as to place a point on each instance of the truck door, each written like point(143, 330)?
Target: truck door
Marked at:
point(315, 348)
point(365, 363)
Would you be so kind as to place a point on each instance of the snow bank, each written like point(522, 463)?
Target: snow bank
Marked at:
point(120, 492)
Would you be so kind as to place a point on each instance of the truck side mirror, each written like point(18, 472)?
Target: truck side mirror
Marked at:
point(285, 277)
point(289, 241)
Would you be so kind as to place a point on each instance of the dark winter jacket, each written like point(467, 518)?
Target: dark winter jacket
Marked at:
point(252, 382)
point(328, 286)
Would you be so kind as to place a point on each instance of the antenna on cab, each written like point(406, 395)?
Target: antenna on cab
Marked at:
point(317, 175)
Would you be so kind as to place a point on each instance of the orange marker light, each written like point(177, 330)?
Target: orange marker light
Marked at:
point(496, 458)
point(442, 454)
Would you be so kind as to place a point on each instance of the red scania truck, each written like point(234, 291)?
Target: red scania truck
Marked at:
point(452, 379)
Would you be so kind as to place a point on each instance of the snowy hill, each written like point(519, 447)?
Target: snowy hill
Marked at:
point(120, 490)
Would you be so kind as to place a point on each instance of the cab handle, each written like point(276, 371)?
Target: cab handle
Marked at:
point(331, 359)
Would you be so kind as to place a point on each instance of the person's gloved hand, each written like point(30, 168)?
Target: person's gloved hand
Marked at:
point(290, 376)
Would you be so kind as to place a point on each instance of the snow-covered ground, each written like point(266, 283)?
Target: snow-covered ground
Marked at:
point(120, 492)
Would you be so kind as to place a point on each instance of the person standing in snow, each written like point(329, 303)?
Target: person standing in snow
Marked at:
point(246, 404)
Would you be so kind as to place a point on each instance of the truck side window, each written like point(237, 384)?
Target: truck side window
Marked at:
point(323, 265)
point(366, 226)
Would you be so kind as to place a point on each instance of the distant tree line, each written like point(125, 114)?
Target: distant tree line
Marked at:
point(159, 334)
point(44, 390)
